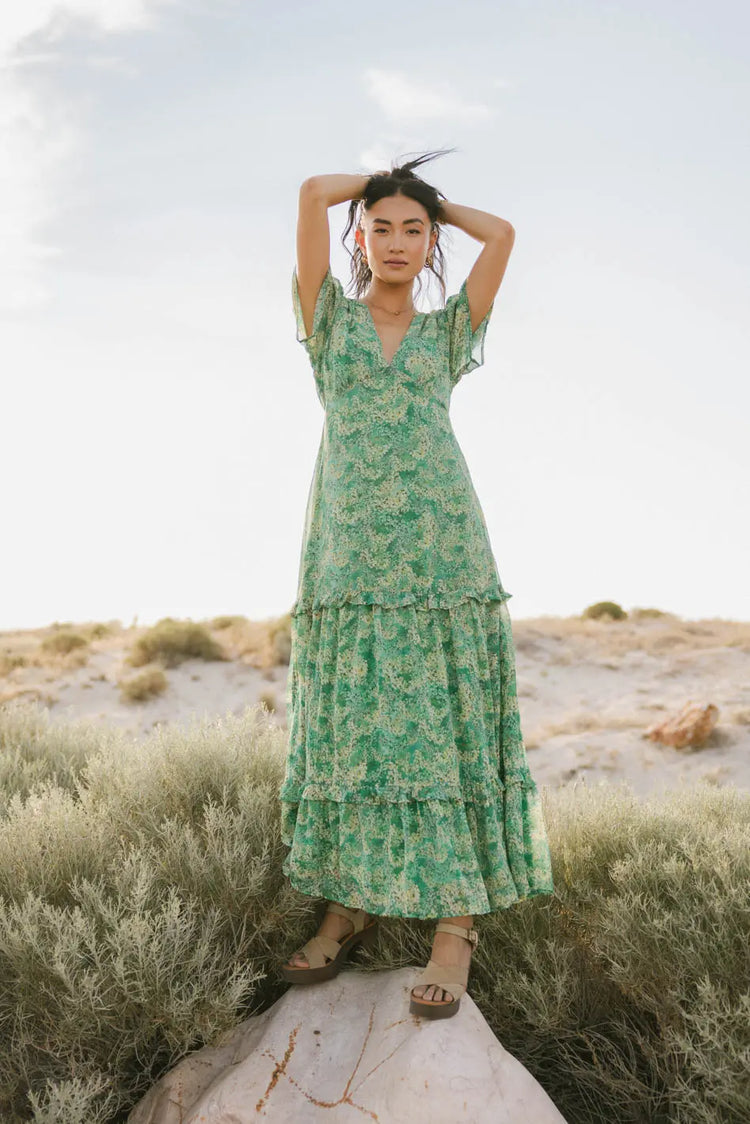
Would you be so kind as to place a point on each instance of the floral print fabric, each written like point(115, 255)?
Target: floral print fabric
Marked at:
point(392, 515)
point(407, 790)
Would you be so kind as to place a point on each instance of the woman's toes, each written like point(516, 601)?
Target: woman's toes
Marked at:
point(423, 991)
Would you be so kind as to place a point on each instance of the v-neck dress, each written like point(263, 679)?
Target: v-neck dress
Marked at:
point(407, 790)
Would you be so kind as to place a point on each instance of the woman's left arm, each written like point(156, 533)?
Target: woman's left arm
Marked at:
point(488, 270)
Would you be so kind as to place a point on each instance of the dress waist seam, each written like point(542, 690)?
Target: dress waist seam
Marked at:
point(431, 599)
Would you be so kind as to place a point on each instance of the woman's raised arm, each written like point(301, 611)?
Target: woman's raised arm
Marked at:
point(488, 270)
point(316, 195)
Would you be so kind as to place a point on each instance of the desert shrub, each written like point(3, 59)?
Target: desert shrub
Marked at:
point(262, 644)
point(133, 918)
point(172, 642)
point(36, 751)
point(227, 621)
point(99, 629)
point(146, 684)
point(267, 699)
point(603, 609)
point(62, 642)
point(74, 1101)
point(143, 911)
point(281, 636)
point(9, 661)
point(648, 614)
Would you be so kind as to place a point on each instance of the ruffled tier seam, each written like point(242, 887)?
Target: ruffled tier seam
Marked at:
point(485, 793)
point(445, 860)
point(445, 599)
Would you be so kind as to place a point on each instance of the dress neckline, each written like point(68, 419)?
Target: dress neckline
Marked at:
point(376, 333)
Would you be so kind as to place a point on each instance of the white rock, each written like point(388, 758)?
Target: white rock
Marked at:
point(347, 1050)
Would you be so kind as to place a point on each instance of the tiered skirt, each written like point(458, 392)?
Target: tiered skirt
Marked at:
point(407, 789)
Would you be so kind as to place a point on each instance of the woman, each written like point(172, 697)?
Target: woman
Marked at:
point(407, 790)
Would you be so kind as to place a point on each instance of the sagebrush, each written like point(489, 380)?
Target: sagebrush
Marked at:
point(143, 911)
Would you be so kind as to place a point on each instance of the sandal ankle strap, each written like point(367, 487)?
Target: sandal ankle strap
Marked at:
point(470, 935)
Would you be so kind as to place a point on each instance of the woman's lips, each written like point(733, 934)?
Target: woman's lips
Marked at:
point(395, 263)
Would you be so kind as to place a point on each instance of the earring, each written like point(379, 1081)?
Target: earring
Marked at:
point(428, 260)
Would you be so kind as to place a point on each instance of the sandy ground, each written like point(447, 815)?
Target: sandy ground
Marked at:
point(587, 692)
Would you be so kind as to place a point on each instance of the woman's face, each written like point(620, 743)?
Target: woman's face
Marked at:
point(396, 229)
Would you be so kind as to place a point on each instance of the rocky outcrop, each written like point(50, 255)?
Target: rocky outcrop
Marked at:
point(348, 1050)
point(689, 729)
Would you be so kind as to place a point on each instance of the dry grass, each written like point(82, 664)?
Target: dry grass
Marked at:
point(27, 694)
point(586, 722)
point(171, 642)
point(56, 646)
point(652, 635)
point(143, 912)
point(146, 684)
point(63, 642)
point(10, 662)
point(261, 644)
point(268, 700)
point(220, 623)
point(35, 664)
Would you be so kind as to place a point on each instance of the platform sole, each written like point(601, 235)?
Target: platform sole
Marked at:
point(428, 1010)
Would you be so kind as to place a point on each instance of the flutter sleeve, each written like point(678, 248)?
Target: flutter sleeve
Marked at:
point(466, 348)
point(329, 300)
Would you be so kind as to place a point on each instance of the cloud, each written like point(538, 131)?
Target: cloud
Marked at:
point(29, 60)
point(34, 145)
point(407, 101)
point(39, 136)
point(52, 18)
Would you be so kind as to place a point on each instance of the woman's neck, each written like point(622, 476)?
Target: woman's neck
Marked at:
point(390, 296)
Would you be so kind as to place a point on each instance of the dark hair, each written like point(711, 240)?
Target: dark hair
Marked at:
point(401, 180)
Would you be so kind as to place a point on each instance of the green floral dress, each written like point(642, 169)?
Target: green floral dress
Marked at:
point(407, 789)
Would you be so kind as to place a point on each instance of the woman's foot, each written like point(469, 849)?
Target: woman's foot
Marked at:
point(447, 949)
point(333, 925)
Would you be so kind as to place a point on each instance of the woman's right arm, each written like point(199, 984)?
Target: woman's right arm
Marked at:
point(316, 195)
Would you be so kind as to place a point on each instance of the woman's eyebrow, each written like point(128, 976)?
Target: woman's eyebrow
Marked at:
point(406, 221)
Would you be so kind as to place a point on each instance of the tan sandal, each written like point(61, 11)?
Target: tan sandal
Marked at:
point(318, 948)
point(444, 977)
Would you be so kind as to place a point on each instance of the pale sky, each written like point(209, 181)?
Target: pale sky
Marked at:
point(159, 420)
